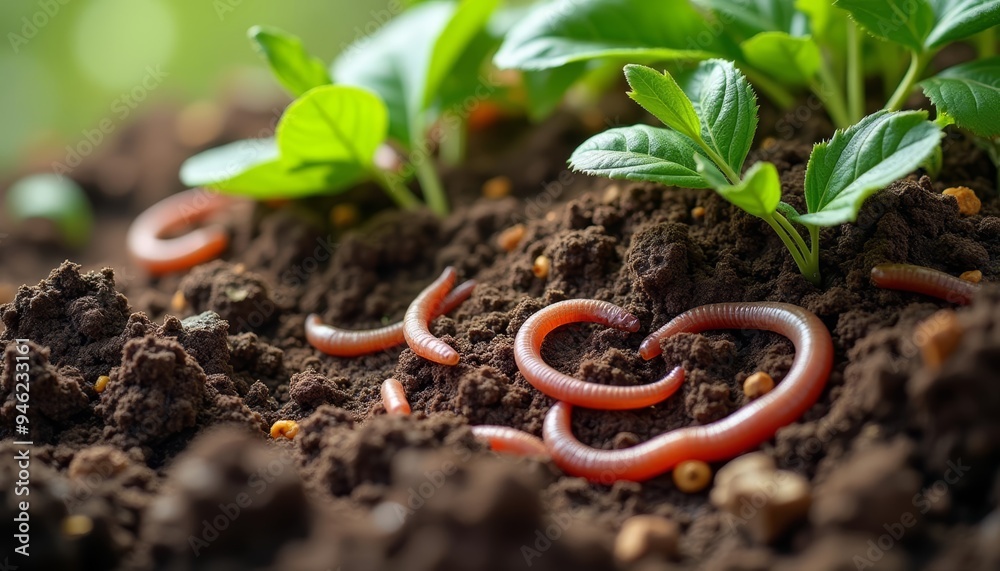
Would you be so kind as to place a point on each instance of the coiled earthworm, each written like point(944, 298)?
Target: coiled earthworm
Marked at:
point(394, 398)
point(510, 440)
point(346, 343)
point(528, 356)
point(725, 438)
point(417, 319)
point(164, 255)
point(918, 279)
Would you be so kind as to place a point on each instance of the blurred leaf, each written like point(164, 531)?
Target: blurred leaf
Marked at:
point(54, 198)
point(295, 69)
point(794, 60)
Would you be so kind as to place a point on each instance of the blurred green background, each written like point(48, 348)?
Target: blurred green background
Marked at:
point(66, 66)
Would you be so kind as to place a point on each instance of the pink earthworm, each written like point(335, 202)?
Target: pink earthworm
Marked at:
point(159, 255)
point(918, 279)
point(726, 438)
point(417, 319)
point(346, 343)
point(394, 398)
point(510, 440)
point(528, 356)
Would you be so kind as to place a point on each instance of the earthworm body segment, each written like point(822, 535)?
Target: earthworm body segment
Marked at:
point(160, 255)
point(510, 440)
point(725, 438)
point(346, 343)
point(918, 279)
point(527, 355)
point(394, 398)
point(418, 316)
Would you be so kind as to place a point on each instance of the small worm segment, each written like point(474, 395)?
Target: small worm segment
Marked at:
point(394, 398)
point(744, 429)
point(528, 356)
point(164, 255)
point(918, 279)
point(346, 343)
point(510, 440)
point(284, 428)
point(418, 317)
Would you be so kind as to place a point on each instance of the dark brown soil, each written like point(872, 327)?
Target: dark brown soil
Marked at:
point(172, 465)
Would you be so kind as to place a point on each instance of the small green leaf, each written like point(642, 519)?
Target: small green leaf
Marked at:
point(641, 153)
point(54, 198)
point(863, 159)
point(969, 94)
point(565, 31)
point(468, 20)
point(253, 168)
point(758, 193)
point(297, 71)
point(756, 16)
point(827, 23)
point(333, 124)
point(659, 94)
point(959, 19)
point(905, 22)
point(789, 59)
point(727, 107)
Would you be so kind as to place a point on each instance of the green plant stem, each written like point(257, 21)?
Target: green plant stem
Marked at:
point(733, 176)
point(918, 61)
point(430, 184)
point(772, 89)
point(807, 262)
point(829, 91)
point(855, 74)
point(396, 190)
point(801, 243)
point(987, 43)
point(453, 143)
point(814, 252)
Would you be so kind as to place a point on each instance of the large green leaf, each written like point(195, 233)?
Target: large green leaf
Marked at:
point(970, 94)
point(333, 124)
point(784, 57)
point(295, 69)
point(565, 31)
point(756, 16)
point(863, 159)
point(642, 153)
point(758, 193)
point(906, 22)
point(959, 19)
point(659, 94)
point(827, 23)
point(464, 25)
point(253, 168)
point(727, 107)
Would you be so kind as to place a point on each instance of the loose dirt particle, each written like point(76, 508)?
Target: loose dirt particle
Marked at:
point(692, 476)
point(541, 267)
point(178, 303)
point(611, 194)
point(776, 498)
point(974, 276)
point(101, 383)
point(758, 384)
point(937, 337)
point(511, 237)
point(643, 535)
point(344, 215)
point(285, 428)
point(968, 202)
point(497, 187)
point(77, 525)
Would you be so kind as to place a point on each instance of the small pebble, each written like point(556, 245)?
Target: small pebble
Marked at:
point(178, 303)
point(511, 237)
point(77, 525)
point(974, 276)
point(692, 476)
point(551, 216)
point(644, 535)
point(286, 428)
point(541, 267)
point(757, 385)
point(937, 337)
point(611, 194)
point(101, 383)
point(698, 212)
point(968, 202)
point(497, 187)
point(344, 215)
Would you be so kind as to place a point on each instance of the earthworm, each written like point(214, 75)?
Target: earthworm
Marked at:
point(744, 429)
point(394, 398)
point(346, 343)
point(417, 319)
point(510, 440)
point(907, 277)
point(164, 255)
point(528, 356)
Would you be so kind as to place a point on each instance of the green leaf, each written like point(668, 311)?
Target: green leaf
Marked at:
point(333, 124)
point(659, 94)
point(756, 16)
point(727, 107)
point(465, 24)
point(54, 198)
point(969, 94)
point(863, 159)
point(789, 59)
point(758, 193)
point(827, 23)
point(565, 31)
point(253, 168)
point(295, 69)
point(905, 22)
point(547, 87)
point(959, 19)
point(641, 153)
